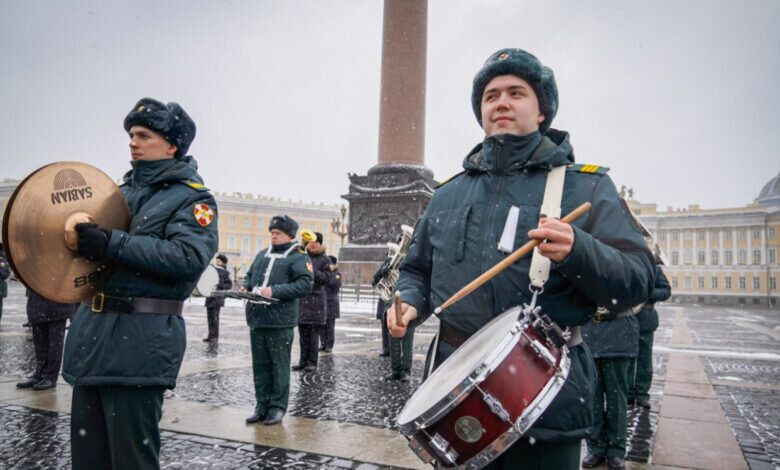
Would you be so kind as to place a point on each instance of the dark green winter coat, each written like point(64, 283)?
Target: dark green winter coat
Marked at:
point(613, 338)
point(457, 237)
point(5, 273)
point(648, 316)
point(290, 279)
point(162, 254)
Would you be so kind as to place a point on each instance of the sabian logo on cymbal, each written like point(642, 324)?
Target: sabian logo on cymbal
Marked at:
point(70, 185)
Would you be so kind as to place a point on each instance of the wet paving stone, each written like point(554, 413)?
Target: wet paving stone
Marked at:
point(743, 370)
point(641, 425)
point(34, 439)
point(17, 356)
point(346, 388)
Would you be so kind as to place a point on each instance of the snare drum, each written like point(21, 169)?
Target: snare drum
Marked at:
point(487, 394)
point(208, 282)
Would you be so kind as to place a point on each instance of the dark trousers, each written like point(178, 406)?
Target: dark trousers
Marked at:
point(640, 371)
point(308, 337)
point(385, 333)
point(271, 349)
point(328, 334)
point(401, 353)
point(539, 456)
point(116, 427)
point(212, 316)
point(610, 408)
point(48, 340)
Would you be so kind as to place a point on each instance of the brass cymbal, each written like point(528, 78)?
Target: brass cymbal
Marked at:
point(38, 229)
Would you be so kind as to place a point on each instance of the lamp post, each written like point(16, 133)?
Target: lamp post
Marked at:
point(339, 224)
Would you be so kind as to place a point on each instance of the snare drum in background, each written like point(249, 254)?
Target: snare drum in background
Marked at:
point(208, 282)
point(487, 394)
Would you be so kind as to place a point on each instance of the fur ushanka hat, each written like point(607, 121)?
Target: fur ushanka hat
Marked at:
point(169, 120)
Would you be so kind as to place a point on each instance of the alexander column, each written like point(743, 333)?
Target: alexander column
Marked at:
point(398, 188)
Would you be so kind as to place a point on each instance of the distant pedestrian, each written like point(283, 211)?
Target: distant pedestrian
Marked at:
point(313, 312)
point(381, 307)
point(214, 304)
point(328, 332)
point(48, 320)
point(5, 273)
point(283, 272)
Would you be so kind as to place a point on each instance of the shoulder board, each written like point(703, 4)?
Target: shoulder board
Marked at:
point(194, 185)
point(580, 168)
point(449, 179)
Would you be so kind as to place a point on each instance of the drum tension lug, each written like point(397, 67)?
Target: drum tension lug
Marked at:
point(443, 449)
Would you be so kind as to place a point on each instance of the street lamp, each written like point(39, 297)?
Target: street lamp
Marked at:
point(339, 224)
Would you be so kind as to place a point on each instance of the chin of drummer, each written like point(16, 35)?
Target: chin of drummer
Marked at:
point(409, 314)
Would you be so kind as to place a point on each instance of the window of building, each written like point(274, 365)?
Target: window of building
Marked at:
point(324, 229)
point(674, 282)
point(756, 233)
point(244, 244)
point(727, 235)
point(661, 235)
point(687, 256)
point(756, 256)
point(674, 235)
point(687, 282)
point(741, 282)
point(742, 259)
point(231, 242)
point(773, 283)
point(675, 257)
point(687, 235)
point(714, 283)
point(772, 256)
point(701, 256)
point(232, 220)
point(728, 258)
point(247, 222)
point(771, 233)
point(313, 227)
point(701, 282)
point(741, 234)
point(727, 282)
point(756, 283)
point(714, 235)
point(260, 224)
point(243, 269)
point(700, 235)
point(259, 241)
point(714, 256)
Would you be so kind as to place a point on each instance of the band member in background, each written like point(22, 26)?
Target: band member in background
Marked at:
point(5, 273)
point(314, 307)
point(381, 307)
point(328, 332)
point(214, 304)
point(601, 258)
point(640, 372)
point(284, 272)
point(126, 345)
point(48, 320)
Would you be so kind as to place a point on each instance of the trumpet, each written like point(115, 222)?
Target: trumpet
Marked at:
point(306, 237)
point(397, 251)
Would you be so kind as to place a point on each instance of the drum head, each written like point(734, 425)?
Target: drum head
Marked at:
point(459, 365)
point(208, 281)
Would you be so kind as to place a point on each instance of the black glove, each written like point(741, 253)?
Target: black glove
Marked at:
point(93, 240)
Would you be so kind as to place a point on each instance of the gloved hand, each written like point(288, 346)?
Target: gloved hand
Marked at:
point(93, 240)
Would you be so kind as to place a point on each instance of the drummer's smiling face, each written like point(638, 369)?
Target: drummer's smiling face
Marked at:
point(146, 144)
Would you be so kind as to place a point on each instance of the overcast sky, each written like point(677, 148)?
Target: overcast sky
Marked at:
point(679, 98)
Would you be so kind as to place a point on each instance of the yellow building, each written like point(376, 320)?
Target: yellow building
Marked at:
point(243, 223)
point(720, 256)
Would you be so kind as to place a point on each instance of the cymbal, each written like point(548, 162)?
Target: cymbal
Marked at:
point(38, 229)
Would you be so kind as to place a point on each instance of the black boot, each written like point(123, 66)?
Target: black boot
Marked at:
point(255, 418)
point(615, 463)
point(28, 383)
point(592, 461)
point(274, 416)
point(44, 384)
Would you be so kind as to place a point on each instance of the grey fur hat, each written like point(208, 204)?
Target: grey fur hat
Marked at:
point(285, 223)
point(169, 120)
point(526, 66)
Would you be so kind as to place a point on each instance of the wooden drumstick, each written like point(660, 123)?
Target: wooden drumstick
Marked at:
point(398, 315)
point(487, 275)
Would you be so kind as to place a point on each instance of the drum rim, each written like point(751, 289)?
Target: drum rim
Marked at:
point(485, 366)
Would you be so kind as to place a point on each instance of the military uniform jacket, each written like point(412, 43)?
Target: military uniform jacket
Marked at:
point(332, 291)
point(170, 241)
point(648, 316)
point(314, 307)
point(613, 338)
point(457, 237)
point(290, 278)
point(223, 284)
point(5, 273)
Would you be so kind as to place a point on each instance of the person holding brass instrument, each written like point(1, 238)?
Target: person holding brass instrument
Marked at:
point(282, 271)
point(125, 346)
point(476, 218)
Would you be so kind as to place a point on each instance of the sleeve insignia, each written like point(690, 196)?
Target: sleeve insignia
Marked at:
point(204, 215)
point(309, 267)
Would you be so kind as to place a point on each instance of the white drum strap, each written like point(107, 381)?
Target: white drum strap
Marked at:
point(274, 257)
point(551, 208)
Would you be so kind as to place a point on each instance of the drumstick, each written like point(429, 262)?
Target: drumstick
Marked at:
point(398, 316)
point(487, 275)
